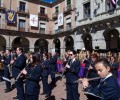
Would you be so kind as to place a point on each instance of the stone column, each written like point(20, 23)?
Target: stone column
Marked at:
point(32, 44)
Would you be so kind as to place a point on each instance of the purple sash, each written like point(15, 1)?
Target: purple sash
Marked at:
point(59, 65)
point(118, 77)
point(82, 69)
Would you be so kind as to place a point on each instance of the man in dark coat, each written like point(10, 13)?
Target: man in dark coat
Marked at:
point(18, 66)
point(72, 70)
point(6, 62)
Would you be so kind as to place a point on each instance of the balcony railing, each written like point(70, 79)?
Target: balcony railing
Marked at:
point(22, 29)
point(68, 28)
point(22, 11)
point(42, 31)
point(43, 16)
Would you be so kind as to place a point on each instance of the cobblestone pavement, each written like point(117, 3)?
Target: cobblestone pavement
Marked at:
point(58, 91)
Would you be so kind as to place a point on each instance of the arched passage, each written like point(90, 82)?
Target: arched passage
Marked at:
point(2, 43)
point(41, 45)
point(87, 39)
point(21, 42)
point(57, 45)
point(69, 43)
point(112, 39)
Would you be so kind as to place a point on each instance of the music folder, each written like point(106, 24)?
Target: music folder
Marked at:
point(92, 95)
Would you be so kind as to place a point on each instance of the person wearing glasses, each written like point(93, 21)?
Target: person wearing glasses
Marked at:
point(72, 69)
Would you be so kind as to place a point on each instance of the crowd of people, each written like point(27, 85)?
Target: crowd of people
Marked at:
point(99, 73)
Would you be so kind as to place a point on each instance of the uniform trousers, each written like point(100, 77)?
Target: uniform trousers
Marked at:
point(46, 89)
point(72, 91)
point(7, 75)
point(32, 97)
point(20, 89)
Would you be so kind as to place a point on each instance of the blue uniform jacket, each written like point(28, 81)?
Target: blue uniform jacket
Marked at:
point(108, 89)
point(7, 60)
point(114, 68)
point(18, 65)
point(45, 67)
point(72, 72)
point(53, 63)
point(33, 75)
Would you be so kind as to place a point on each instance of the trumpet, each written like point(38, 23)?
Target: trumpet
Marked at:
point(1, 62)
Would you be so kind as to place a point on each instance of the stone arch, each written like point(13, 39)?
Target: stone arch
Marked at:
point(69, 43)
point(41, 45)
point(112, 39)
point(57, 45)
point(20, 42)
point(87, 39)
point(2, 43)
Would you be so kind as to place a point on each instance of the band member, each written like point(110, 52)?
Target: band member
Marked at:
point(1, 65)
point(92, 71)
point(53, 66)
point(17, 67)
point(72, 70)
point(32, 74)
point(6, 62)
point(114, 66)
point(108, 88)
point(45, 73)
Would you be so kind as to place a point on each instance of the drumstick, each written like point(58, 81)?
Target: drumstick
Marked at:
point(90, 79)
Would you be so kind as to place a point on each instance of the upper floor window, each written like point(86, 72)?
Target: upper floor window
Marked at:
point(42, 10)
point(68, 2)
point(57, 9)
point(42, 28)
point(86, 9)
point(22, 6)
point(110, 5)
point(21, 23)
point(0, 2)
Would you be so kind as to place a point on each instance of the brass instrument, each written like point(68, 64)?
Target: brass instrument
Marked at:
point(1, 66)
point(1, 63)
point(10, 65)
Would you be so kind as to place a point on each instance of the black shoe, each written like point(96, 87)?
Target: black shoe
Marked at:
point(15, 97)
point(48, 95)
point(8, 90)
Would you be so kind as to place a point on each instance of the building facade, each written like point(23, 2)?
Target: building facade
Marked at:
point(93, 24)
point(98, 24)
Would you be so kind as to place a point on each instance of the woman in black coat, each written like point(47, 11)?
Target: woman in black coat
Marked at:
point(32, 74)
